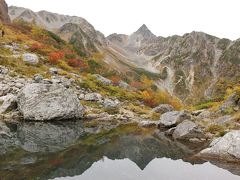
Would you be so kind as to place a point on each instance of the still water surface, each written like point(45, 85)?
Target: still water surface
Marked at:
point(127, 153)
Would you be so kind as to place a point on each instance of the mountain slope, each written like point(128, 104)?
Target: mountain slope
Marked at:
point(4, 12)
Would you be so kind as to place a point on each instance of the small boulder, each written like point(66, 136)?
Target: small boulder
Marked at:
point(43, 102)
point(123, 84)
point(147, 124)
point(163, 108)
point(227, 147)
point(3, 70)
point(171, 119)
point(102, 79)
point(37, 78)
point(187, 130)
point(30, 58)
point(4, 89)
point(108, 103)
point(54, 71)
point(93, 97)
point(9, 103)
point(233, 101)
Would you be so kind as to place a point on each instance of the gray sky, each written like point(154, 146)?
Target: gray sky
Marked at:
point(163, 17)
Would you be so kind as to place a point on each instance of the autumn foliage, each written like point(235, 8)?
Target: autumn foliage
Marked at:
point(115, 80)
point(54, 57)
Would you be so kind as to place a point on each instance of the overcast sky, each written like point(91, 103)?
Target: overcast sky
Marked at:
point(163, 17)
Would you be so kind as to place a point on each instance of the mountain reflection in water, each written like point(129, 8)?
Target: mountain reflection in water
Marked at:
point(163, 168)
point(135, 154)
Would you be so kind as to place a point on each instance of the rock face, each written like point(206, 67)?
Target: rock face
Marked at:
point(187, 130)
point(30, 58)
point(227, 147)
point(171, 119)
point(163, 108)
point(4, 17)
point(74, 29)
point(43, 102)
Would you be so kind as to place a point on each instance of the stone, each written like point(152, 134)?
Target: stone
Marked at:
point(102, 79)
point(45, 102)
point(231, 102)
point(187, 130)
point(226, 147)
point(81, 96)
point(93, 97)
point(37, 78)
point(205, 114)
point(108, 103)
point(3, 70)
point(223, 120)
point(163, 108)
point(171, 119)
point(197, 112)
point(30, 58)
point(9, 103)
point(170, 131)
point(147, 123)
point(54, 71)
point(4, 89)
point(123, 84)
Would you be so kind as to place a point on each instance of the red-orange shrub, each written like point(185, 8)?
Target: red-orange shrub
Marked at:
point(115, 80)
point(54, 57)
point(74, 62)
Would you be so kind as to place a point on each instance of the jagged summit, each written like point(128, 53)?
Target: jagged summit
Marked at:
point(143, 30)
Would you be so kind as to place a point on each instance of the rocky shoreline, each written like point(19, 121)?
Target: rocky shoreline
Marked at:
point(38, 109)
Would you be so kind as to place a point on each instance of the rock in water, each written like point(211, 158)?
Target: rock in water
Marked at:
point(187, 130)
point(43, 102)
point(171, 119)
point(227, 147)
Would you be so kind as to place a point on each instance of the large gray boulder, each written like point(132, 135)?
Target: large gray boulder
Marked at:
point(187, 130)
point(43, 102)
point(30, 58)
point(163, 108)
point(171, 119)
point(227, 147)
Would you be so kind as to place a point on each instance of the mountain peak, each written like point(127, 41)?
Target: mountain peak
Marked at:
point(145, 31)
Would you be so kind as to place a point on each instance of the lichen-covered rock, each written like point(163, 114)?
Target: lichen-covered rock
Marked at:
point(227, 147)
point(163, 108)
point(187, 130)
point(171, 119)
point(30, 58)
point(43, 102)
